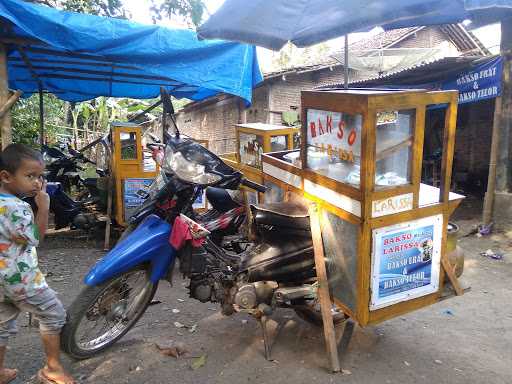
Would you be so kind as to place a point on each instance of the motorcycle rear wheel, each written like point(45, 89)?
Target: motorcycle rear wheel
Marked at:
point(116, 303)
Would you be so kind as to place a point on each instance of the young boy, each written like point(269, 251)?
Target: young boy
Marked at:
point(22, 284)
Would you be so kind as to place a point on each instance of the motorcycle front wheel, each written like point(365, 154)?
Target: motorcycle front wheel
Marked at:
point(101, 315)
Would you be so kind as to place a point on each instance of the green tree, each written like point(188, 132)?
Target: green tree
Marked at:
point(189, 10)
point(110, 8)
point(25, 119)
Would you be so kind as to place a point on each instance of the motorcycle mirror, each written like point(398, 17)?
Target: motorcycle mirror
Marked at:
point(168, 109)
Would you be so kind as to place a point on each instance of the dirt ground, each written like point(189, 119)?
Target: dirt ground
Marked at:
point(462, 340)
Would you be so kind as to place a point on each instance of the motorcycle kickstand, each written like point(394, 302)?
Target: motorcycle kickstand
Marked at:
point(268, 344)
point(348, 331)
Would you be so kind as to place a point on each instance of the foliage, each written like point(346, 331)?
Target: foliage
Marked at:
point(192, 10)
point(189, 10)
point(290, 56)
point(110, 8)
point(25, 119)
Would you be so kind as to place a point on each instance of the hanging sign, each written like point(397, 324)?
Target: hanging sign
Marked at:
point(405, 261)
point(480, 83)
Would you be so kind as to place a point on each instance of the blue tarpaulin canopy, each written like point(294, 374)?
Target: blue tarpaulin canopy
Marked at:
point(307, 22)
point(79, 57)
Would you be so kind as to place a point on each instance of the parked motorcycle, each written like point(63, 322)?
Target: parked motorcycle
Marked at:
point(65, 169)
point(62, 172)
point(277, 270)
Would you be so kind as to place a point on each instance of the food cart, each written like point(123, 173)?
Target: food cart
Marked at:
point(254, 139)
point(383, 232)
point(133, 169)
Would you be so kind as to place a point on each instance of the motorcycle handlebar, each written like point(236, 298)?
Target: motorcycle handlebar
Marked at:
point(253, 185)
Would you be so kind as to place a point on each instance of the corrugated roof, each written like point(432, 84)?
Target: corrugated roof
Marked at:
point(424, 72)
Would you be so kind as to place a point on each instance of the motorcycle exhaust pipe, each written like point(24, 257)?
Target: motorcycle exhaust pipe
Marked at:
point(282, 295)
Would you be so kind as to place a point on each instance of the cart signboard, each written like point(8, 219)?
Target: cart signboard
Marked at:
point(134, 194)
point(405, 261)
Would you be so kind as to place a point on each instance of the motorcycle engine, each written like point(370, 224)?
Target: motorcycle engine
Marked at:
point(248, 296)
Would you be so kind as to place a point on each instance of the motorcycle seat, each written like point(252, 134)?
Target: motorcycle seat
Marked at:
point(220, 199)
point(282, 215)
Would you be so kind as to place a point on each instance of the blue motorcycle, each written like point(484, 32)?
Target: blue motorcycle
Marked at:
point(276, 270)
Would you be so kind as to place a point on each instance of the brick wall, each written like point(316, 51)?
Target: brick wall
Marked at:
point(285, 92)
point(473, 138)
point(472, 143)
point(213, 122)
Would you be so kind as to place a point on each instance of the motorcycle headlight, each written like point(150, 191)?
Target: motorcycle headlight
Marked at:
point(187, 170)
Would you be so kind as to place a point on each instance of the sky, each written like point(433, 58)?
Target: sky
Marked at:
point(139, 9)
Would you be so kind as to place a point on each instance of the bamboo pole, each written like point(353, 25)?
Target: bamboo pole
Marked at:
point(41, 116)
point(491, 181)
point(5, 121)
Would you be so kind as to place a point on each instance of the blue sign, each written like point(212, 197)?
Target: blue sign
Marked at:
point(134, 194)
point(481, 83)
point(406, 261)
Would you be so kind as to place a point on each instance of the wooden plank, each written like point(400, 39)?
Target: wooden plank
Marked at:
point(384, 221)
point(363, 275)
point(448, 150)
point(395, 310)
point(387, 192)
point(106, 244)
point(281, 164)
point(323, 289)
point(417, 154)
point(333, 209)
point(331, 184)
point(392, 147)
point(368, 146)
point(448, 268)
point(5, 121)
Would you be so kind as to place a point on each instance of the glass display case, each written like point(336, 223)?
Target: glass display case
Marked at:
point(257, 138)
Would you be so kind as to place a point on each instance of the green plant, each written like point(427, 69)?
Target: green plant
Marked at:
point(25, 119)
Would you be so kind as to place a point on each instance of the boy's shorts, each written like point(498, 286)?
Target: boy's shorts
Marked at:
point(45, 307)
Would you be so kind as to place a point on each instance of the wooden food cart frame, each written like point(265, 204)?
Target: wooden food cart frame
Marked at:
point(266, 132)
point(124, 169)
point(360, 206)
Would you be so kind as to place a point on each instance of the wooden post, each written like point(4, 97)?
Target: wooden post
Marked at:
point(106, 244)
point(491, 182)
point(41, 116)
point(323, 289)
point(5, 121)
